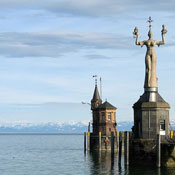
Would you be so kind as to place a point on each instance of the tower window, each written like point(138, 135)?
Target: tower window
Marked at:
point(162, 125)
point(103, 115)
point(109, 115)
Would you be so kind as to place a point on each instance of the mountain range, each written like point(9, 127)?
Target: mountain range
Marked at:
point(54, 127)
point(57, 127)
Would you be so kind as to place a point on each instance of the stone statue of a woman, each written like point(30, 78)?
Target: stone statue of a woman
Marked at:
point(150, 57)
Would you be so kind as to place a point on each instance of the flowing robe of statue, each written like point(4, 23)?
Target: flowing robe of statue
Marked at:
point(150, 57)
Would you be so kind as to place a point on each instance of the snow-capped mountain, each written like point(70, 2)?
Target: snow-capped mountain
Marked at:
point(49, 127)
point(58, 127)
point(53, 127)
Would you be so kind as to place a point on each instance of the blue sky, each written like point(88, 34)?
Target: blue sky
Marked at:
point(49, 50)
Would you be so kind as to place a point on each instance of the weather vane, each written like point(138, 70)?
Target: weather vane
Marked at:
point(95, 76)
point(150, 21)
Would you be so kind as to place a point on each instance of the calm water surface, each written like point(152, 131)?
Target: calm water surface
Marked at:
point(60, 155)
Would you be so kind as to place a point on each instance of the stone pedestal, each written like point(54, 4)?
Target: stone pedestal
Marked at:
point(168, 155)
point(151, 115)
point(143, 152)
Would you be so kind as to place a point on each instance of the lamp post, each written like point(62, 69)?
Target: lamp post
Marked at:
point(89, 124)
point(84, 103)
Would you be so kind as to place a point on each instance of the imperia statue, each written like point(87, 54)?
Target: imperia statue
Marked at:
point(150, 57)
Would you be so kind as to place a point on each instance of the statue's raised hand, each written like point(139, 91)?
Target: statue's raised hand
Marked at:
point(135, 33)
point(164, 31)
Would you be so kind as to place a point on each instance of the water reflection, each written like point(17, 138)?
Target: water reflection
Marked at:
point(103, 163)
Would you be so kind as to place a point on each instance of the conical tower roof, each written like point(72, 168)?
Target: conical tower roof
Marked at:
point(96, 100)
point(96, 96)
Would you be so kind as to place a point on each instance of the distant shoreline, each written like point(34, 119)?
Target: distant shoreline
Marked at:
point(18, 133)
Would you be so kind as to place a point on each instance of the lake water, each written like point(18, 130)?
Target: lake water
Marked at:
point(61, 155)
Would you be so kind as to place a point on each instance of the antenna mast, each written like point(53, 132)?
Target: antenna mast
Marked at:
point(101, 88)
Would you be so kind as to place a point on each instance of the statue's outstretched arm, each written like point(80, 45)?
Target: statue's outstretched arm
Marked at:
point(163, 32)
point(136, 34)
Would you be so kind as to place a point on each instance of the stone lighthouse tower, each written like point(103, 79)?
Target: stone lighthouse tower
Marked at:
point(104, 121)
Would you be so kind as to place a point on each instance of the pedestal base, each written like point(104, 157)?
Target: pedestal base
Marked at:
point(151, 117)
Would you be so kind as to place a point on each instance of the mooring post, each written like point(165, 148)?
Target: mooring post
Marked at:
point(117, 141)
point(89, 125)
point(126, 147)
point(84, 141)
point(171, 134)
point(99, 141)
point(112, 142)
point(88, 141)
point(158, 151)
point(120, 147)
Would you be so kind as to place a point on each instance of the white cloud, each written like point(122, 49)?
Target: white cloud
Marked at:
point(97, 57)
point(90, 7)
point(56, 44)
